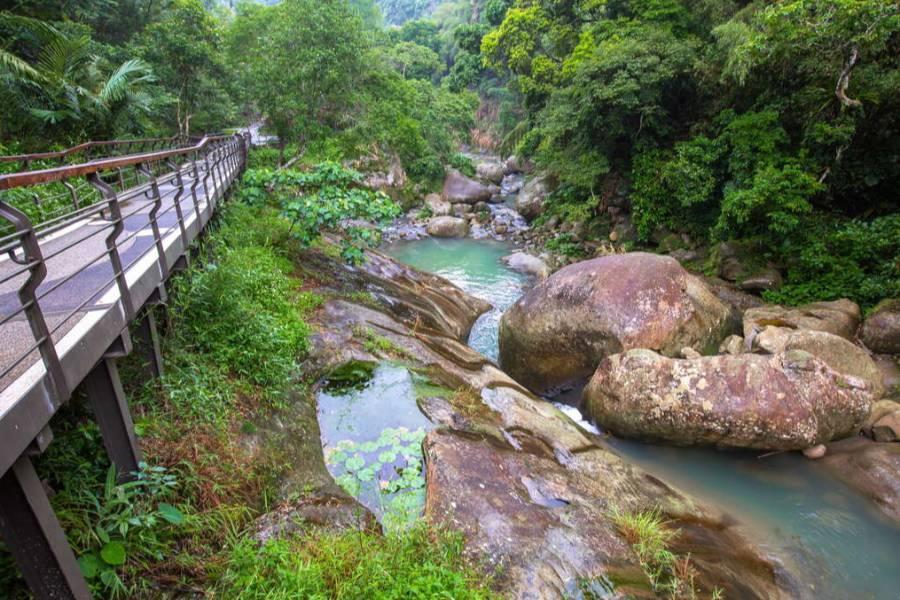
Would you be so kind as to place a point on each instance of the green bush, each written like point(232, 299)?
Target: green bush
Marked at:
point(834, 259)
point(463, 164)
point(322, 200)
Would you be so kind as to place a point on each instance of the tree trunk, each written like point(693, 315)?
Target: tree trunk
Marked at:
point(843, 81)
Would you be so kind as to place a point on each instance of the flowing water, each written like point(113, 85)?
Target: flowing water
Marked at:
point(474, 266)
point(831, 537)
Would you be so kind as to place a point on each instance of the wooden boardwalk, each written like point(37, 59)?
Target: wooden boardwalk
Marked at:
point(70, 290)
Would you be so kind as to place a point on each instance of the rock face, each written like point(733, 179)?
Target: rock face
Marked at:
point(529, 489)
point(787, 401)
point(871, 468)
point(437, 205)
point(490, 171)
point(840, 317)
point(841, 355)
point(528, 264)
point(448, 227)
point(881, 331)
point(460, 189)
point(561, 329)
point(515, 164)
point(530, 201)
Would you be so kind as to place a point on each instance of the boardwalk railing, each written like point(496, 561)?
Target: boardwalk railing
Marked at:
point(86, 246)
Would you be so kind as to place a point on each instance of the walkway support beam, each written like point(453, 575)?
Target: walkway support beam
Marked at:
point(34, 537)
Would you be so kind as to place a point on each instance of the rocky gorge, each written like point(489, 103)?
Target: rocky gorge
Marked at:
point(647, 350)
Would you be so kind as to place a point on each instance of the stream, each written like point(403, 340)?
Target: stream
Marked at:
point(833, 537)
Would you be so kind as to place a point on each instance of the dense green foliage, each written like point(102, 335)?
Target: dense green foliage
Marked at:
point(415, 564)
point(327, 81)
point(769, 121)
point(321, 201)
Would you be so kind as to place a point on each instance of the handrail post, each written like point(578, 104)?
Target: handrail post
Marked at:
point(154, 224)
point(177, 198)
point(194, 183)
point(33, 256)
point(115, 218)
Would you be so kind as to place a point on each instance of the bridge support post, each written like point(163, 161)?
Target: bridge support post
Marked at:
point(104, 388)
point(147, 335)
point(34, 537)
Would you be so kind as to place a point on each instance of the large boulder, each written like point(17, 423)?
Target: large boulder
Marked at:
point(840, 317)
point(530, 201)
point(448, 227)
point(490, 171)
point(786, 401)
point(460, 189)
point(843, 356)
point(881, 331)
point(560, 330)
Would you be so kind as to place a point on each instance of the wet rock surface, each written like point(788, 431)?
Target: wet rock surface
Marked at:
point(838, 353)
point(881, 331)
point(840, 317)
point(447, 227)
point(461, 189)
point(871, 468)
point(530, 201)
point(559, 331)
point(530, 490)
point(787, 401)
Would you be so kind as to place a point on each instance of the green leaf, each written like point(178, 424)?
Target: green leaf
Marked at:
point(355, 463)
point(170, 513)
point(113, 553)
point(89, 565)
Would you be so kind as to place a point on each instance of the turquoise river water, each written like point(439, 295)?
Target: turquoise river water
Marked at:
point(828, 535)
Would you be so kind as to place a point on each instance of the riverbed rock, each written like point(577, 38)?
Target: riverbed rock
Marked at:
point(840, 317)
point(880, 409)
point(437, 205)
point(448, 227)
point(787, 401)
point(731, 294)
point(530, 490)
point(530, 201)
point(560, 330)
point(528, 264)
point(461, 189)
point(841, 355)
point(768, 278)
point(490, 171)
point(871, 468)
point(420, 299)
point(516, 164)
point(733, 344)
point(881, 330)
point(887, 428)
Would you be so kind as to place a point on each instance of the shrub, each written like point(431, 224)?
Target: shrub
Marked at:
point(417, 563)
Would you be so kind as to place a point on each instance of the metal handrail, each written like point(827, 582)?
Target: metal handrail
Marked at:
point(87, 147)
point(30, 178)
point(218, 158)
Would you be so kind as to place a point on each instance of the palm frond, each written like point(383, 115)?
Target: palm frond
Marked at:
point(19, 67)
point(62, 56)
point(119, 83)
